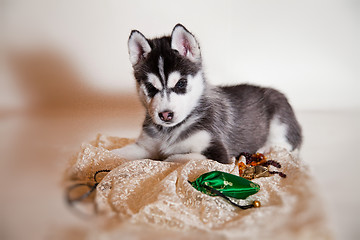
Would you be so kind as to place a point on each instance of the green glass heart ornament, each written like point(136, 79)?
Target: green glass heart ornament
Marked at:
point(228, 184)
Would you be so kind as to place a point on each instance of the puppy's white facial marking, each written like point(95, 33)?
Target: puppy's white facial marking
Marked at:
point(173, 78)
point(156, 106)
point(143, 93)
point(161, 68)
point(183, 104)
point(155, 81)
point(180, 104)
point(277, 136)
point(152, 104)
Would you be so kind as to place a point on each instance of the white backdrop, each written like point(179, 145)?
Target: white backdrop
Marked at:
point(307, 49)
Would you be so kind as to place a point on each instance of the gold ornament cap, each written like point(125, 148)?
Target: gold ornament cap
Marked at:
point(256, 204)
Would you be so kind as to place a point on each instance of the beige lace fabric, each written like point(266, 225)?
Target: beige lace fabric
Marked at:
point(155, 195)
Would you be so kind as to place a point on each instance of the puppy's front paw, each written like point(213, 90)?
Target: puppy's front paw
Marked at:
point(182, 158)
point(131, 152)
point(118, 152)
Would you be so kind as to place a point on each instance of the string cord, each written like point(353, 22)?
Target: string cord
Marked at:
point(220, 194)
point(91, 186)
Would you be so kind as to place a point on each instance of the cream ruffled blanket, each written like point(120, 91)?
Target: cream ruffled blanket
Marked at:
point(150, 199)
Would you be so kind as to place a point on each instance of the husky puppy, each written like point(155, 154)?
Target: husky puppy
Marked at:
point(185, 114)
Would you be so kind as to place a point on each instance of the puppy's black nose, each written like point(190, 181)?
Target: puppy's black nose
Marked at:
point(166, 116)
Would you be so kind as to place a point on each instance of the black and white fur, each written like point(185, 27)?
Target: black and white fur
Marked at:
point(185, 114)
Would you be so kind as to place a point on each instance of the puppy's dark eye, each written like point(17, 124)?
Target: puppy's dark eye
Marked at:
point(180, 86)
point(151, 90)
point(181, 83)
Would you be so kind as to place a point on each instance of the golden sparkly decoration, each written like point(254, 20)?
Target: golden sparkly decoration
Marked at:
point(256, 166)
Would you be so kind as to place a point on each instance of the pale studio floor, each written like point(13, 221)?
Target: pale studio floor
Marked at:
point(35, 147)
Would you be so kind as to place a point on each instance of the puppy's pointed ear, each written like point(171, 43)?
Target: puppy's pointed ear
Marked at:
point(185, 43)
point(139, 47)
